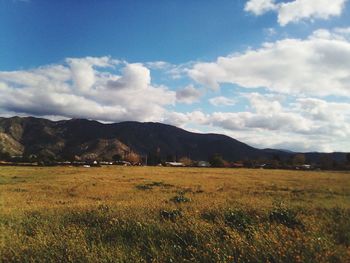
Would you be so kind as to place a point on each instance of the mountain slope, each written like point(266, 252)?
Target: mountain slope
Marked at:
point(84, 139)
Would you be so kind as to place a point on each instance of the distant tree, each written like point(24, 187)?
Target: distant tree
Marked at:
point(5, 156)
point(299, 159)
point(90, 157)
point(117, 157)
point(326, 161)
point(275, 162)
point(153, 158)
point(186, 161)
point(170, 158)
point(250, 163)
point(217, 161)
point(261, 160)
point(348, 157)
point(45, 159)
point(276, 157)
point(133, 158)
point(66, 156)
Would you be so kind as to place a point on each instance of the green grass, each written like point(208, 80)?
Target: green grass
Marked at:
point(149, 214)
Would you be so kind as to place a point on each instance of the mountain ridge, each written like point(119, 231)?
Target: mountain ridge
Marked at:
point(89, 139)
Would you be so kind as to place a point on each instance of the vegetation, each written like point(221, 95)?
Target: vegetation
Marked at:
point(159, 214)
point(217, 161)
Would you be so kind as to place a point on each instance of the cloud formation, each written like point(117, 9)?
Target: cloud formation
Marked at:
point(259, 7)
point(304, 124)
point(296, 111)
point(317, 66)
point(221, 101)
point(83, 88)
point(297, 10)
point(188, 95)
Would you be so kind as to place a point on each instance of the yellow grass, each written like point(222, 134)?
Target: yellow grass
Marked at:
point(140, 194)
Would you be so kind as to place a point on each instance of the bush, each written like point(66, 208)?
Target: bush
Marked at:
point(180, 199)
point(144, 187)
point(285, 216)
point(238, 220)
point(153, 184)
point(170, 215)
point(339, 225)
point(210, 215)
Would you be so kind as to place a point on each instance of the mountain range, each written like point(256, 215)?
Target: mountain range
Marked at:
point(83, 139)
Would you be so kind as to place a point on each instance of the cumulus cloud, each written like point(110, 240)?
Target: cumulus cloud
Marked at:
point(297, 10)
point(158, 65)
point(305, 116)
point(309, 9)
point(305, 124)
point(282, 121)
point(188, 95)
point(221, 101)
point(317, 66)
point(81, 88)
point(133, 75)
point(181, 119)
point(259, 7)
point(109, 90)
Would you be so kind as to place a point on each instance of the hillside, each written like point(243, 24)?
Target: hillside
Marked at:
point(82, 139)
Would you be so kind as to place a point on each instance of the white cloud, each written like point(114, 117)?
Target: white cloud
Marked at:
point(82, 70)
point(297, 122)
point(297, 10)
point(221, 101)
point(305, 116)
point(82, 89)
point(158, 65)
point(283, 121)
point(259, 7)
point(317, 66)
point(188, 95)
point(270, 32)
point(133, 75)
point(305, 124)
point(182, 119)
point(343, 31)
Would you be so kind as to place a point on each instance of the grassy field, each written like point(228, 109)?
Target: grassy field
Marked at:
point(155, 214)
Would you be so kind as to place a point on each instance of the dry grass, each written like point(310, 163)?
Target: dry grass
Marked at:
point(155, 214)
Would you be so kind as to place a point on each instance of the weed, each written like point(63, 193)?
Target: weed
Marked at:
point(210, 215)
point(144, 187)
point(339, 225)
point(180, 199)
point(285, 216)
point(152, 185)
point(238, 219)
point(171, 214)
point(20, 190)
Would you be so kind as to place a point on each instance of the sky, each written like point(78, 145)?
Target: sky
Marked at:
point(270, 73)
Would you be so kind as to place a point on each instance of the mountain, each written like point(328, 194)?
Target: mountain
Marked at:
point(84, 139)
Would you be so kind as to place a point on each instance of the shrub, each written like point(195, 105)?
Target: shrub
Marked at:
point(180, 199)
point(285, 216)
point(238, 219)
point(144, 187)
point(153, 184)
point(210, 215)
point(339, 225)
point(170, 215)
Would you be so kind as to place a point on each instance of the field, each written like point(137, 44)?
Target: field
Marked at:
point(157, 214)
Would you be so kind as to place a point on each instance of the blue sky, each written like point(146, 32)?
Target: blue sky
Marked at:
point(173, 31)
point(253, 70)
